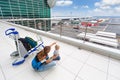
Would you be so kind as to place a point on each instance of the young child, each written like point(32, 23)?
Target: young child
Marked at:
point(56, 52)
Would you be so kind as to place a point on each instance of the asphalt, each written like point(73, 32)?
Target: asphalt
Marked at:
point(113, 25)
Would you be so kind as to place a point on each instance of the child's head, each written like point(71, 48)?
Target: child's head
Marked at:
point(57, 47)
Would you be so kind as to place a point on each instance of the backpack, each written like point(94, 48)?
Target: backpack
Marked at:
point(32, 42)
point(25, 43)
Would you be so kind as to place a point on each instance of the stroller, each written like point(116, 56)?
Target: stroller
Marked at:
point(24, 46)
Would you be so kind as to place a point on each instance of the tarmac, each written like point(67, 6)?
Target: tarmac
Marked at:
point(72, 32)
point(112, 25)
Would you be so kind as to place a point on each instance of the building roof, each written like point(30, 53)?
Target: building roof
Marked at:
point(75, 63)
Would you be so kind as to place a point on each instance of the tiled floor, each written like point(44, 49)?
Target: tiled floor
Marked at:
point(75, 64)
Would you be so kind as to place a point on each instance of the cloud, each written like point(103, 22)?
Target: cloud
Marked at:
point(105, 12)
point(97, 4)
point(107, 7)
point(75, 7)
point(111, 2)
point(64, 3)
point(84, 6)
point(101, 12)
point(97, 10)
point(107, 3)
point(102, 8)
point(102, 5)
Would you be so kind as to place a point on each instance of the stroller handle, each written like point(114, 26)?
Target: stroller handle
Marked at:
point(11, 31)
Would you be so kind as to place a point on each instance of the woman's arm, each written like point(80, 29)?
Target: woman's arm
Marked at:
point(51, 59)
point(52, 44)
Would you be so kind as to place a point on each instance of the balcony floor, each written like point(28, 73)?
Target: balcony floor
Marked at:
point(75, 64)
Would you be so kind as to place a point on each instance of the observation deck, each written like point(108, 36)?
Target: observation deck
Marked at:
point(75, 63)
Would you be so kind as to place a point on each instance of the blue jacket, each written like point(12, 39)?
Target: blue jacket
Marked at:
point(37, 64)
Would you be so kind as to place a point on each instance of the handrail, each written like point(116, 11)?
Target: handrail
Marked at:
point(12, 31)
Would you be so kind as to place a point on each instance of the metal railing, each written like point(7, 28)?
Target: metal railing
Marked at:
point(97, 48)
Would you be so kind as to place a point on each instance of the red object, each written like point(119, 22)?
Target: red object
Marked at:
point(89, 24)
point(86, 24)
point(99, 20)
point(95, 24)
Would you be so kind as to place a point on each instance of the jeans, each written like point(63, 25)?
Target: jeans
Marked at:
point(46, 66)
point(57, 58)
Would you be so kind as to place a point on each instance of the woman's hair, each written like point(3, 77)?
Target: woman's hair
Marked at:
point(43, 52)
point(47, 49)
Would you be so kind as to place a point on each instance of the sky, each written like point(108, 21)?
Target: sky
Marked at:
point(83, 8)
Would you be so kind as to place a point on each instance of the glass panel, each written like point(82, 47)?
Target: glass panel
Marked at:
point(25, 9)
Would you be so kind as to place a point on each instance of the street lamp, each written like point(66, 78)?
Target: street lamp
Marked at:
point(86, 24)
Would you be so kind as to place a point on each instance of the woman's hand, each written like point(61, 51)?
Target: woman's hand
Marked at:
point(55, 56)
point(52, 44)
point(51, 59)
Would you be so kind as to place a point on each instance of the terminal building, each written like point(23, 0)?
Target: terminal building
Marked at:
point(31, 13)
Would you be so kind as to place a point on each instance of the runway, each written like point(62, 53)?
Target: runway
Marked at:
point(114, 26)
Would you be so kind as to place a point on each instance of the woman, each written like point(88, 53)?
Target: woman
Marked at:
point(42, 62)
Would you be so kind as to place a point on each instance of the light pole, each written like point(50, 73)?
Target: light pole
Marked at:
point(86, 24)
point(71, 18)
point(61, 23)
